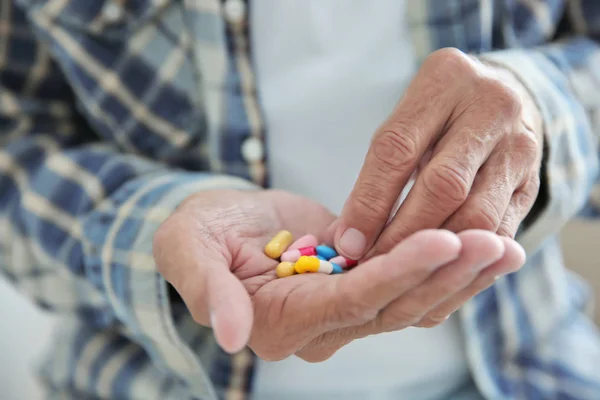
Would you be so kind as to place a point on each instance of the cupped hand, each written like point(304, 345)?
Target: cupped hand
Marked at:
point(476, 132)
point(211, 251)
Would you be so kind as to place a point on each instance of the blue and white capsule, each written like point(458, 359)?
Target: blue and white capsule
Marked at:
point(336, 269)
point(326, 252)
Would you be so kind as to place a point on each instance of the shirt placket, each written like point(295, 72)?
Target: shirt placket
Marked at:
point(251, 138)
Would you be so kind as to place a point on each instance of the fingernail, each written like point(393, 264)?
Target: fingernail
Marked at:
point(352, 243)
point(212, 319)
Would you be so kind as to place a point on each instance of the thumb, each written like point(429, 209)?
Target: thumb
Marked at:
point(216, 298)
point(230, 309)
point(201, 274)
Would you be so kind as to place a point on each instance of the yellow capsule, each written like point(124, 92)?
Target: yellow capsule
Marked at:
point(285, 269)
point(279, 244)
point(307, 264)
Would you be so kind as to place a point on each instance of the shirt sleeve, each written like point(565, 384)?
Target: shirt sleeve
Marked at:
point(77, 216)
point(564, 79)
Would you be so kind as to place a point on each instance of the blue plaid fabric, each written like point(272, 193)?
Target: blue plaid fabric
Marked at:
point(113, 111)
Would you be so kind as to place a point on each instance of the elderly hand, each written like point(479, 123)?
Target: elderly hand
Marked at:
point(212, 251)
point(480, 134)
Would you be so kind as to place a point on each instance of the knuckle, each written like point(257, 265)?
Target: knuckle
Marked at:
point(523, 200)
point(396, 149)
point(505, 101)
point(447, 182)
point(509, 225)
point(486, 216)
point(477, 143)
point(450, 60)
point(505, 231)
point(369, 201)
point(527, 144)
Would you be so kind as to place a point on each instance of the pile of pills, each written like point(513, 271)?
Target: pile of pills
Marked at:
point(306, 256)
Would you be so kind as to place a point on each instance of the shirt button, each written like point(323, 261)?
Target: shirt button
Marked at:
point(235, 11)
point(112, 12)
point(253, 150)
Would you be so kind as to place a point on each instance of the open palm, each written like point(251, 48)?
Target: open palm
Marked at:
point(211, 250)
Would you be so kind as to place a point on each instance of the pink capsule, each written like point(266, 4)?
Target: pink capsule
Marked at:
point(343, 261)
point(294, 255)
point(305, 241)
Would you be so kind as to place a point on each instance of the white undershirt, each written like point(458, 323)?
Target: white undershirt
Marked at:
point(329, 72)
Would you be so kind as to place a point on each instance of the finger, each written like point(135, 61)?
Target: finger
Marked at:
point(489, 198)
point(359, 294)
point(479, 250)
point(396, 150)
point(446, 182)
point(510, 221)
point(201, 275)
point(513, 259)
point(474, 131)
point(520, 204)
point(362, 292)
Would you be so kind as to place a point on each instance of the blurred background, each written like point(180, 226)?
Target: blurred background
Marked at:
point(25, 329)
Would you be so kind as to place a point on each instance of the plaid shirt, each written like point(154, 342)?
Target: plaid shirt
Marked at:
point(113, 111)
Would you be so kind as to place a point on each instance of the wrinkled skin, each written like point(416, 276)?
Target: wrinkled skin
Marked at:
point(477, 133)
point(211, 251)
